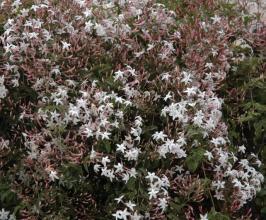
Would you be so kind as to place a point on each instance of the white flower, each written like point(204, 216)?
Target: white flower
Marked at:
point(159, 136)
point(132, 154)
point(130, 205)
point(87, 12)
point(209, 65)
point(100, 30)
point(214, 52)
point(138, 121)
point(162, 204)
point(198, 119)
point(165, 76)
point(208, 154)
point(119, 199)
point(218, 141)
point(218, 184)
point(244, 163)
point(105, 135)
point(33, 35)
point(168, 96)
point(12, 217)
point(219, 195)
point(132, 172)
point(258, 162)
point(105, 160)
point(118, 75)
point(81, 103)
point(242, 149)
point(179, 169)
point(119, 168)
point(191, 91)
point(74, 110)
point(92, 154)
point(2, 78)
point(3, 91)
point(71, 82)
point(58, 101)
point(151, 176)
point(186, 77)
point(216, 19)
point(181, 141)
point(110, 175)
point(65, 45)
point(96, 168)
point(121, 214)
point(150, 47)
point(118, 215)
point(136, 216)
point(131, 70)
point(138, 54)
point(15, 82)
point(53, 175)
point(177, 34)
point(8, 48)
point(4, 214)
point(16, 3)
point(125, 177)
point(121, 147)
point(88, 26)
point(35, 7)
point(237, 183)
point(152, 193)
point(204, 217)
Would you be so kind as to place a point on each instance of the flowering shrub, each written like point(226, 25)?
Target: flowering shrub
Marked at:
point(110, 109)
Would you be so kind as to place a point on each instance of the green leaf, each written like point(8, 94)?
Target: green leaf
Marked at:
point(213, 215)
point(131, 184)
point(194, 132)
point(194, 159)
point(7, 197)
point(104, 146)
point(259, 128)
point(176, 206)
point(250, 116)
point(263, 210)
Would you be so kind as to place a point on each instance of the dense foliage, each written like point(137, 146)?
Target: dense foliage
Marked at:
point(131, 110)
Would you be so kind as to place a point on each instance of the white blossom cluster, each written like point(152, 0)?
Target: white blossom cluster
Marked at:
point(5, 215)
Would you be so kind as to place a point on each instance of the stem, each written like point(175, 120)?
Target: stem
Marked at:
point(208, 189)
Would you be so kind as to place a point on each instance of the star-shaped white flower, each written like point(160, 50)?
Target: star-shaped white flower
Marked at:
point(242, 149)
point(151, 176)
point(88, 26)
point(159, 136)
point(152, 193)
point(168, 96)
point(118, 75)
point(216, 19)
point(119, 168)
point(121, 147)
point(65, 45)
point(119, 199)
point(191, 91)
point(162, 203)
point(105, 160)
point(4, 214)
point(208, 154)
point(130, 205)
point(87, 12)
point(53, 175)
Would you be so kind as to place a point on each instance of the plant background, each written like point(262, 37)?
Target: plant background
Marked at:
point(244, 110)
